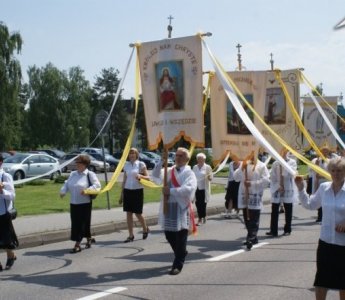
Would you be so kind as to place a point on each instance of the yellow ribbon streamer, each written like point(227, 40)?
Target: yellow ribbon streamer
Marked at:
point(129, 140)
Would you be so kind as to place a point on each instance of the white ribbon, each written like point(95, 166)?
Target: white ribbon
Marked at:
point(242, 113)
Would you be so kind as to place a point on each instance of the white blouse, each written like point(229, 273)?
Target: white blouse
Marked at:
point(8, 193)
point(203, 182)
point(77, 182)
point(132, 170)
point(333, 211)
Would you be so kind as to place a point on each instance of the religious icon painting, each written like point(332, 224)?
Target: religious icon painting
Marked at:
point(170, 88)
point(275, 106)
point(235, 125)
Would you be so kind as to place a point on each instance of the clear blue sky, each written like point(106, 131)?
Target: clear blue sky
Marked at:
point(95, 34)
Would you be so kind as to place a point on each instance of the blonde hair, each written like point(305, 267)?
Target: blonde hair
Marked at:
point(337, 162)
point(135, 150)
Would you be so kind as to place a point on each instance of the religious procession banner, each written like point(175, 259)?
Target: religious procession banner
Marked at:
point(171, 76)
point(316, 124)
point(263, 92)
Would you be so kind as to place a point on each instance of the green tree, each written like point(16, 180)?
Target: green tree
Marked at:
point(10, 80)
point(59, 109)
point(105, 89)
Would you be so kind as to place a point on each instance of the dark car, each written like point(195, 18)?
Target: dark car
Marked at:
point(149, 162)
point(54, 152)
point(111, 160)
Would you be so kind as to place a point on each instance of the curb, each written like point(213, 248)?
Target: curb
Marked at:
point(44, 238)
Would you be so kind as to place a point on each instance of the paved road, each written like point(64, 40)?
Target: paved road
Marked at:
point(217, 266)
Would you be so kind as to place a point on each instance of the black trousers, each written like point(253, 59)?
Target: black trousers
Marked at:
point(81, 221)
point(252, 220)
point(275, 217)
point(178, 243)
point(200, 203)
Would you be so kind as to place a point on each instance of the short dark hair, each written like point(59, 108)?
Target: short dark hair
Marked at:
point(83, 159)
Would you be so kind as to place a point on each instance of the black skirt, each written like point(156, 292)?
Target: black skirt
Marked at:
point(81, 221)
point(330, 263)
point(232, 194)
point(133, 200)
point(8, 237)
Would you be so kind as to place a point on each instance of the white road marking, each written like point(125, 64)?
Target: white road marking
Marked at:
point(103, 294)
point(232, 253)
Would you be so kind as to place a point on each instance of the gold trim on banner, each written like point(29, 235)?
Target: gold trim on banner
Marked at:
point(314, 167)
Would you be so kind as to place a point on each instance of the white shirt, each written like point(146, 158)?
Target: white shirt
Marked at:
point(77, 182)
point(259, 178)
point(132, 170)
point(317, 181)
point(290, 191)
point(231, 171)
point(8, 193)
point(180, 197)
point(333, 211)
point(203, 182)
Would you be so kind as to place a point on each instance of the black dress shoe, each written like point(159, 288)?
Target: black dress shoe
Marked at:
point(129, 239)
point(270, 233)
point(10, 262)
point(286, 233)
point(174, 271)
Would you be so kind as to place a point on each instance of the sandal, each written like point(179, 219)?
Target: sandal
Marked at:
point(146, 233)
point(76, 249)
point(10, 262)
point(129, 239)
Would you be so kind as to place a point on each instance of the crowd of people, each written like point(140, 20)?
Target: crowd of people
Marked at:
point(184, 185)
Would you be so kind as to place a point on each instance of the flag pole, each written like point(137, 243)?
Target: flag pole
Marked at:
point(165, 180)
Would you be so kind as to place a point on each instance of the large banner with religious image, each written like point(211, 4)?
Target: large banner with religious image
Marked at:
point(315, 123)
point(264, 94)
point(172, 91)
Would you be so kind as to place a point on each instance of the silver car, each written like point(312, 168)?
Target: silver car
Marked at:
point(95, 165)
point(23, 165)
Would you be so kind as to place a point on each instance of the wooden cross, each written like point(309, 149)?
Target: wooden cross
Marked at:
point(169, 26)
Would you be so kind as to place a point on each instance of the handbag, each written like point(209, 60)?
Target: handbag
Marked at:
point(94, 196)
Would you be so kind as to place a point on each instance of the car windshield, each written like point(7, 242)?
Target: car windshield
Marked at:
point(15, 159)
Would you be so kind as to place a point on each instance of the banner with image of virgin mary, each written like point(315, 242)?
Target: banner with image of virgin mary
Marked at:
point(171, 78)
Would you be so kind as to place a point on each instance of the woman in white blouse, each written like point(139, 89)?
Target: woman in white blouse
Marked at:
point(80, 203)
point(330, 262)
point(203, 174)
point(132, 195)
point(8, 238)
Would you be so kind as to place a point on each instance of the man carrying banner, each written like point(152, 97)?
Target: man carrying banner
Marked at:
point(253, 176)
point(178, 194)
point(282, 191)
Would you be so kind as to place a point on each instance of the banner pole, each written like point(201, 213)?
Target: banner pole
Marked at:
point(165, 180)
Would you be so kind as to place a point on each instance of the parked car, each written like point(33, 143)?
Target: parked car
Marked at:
point(149, 162)
point(157, 157)
point(91, 150)
point(171, 155)
point(23, 165)
point(95, 165)
point(111, 160)
point(54, 152)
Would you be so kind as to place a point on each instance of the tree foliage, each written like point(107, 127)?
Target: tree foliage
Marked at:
point(10, 79)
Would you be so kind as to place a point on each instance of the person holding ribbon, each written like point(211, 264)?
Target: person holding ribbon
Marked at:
point(176, 214)
point(254, 177)
point(80, 203)
point(330, 262)
point(282, 191)
point(8, 237)
point(203, 173)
